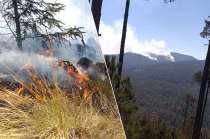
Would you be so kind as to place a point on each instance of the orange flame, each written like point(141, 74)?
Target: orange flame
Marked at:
point(80, 78)
point(36, 87)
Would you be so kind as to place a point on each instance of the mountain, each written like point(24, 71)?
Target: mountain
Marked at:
point(182, 57)
point(133, 60)
point(161, 85)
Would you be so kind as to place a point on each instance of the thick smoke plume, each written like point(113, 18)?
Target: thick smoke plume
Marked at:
point(34, 54)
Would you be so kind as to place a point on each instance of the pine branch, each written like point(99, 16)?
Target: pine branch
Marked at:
point(34, 16)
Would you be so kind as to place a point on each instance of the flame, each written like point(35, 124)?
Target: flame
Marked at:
point(80, 79)
point(34, 85)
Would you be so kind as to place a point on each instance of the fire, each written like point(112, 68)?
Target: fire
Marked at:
point(32, 85)
point(80, 78)
point(37, 88)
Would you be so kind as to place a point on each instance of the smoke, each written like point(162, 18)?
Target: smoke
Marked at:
point(14, 61)
point(111, 36)
point(34, 53)
point(72, 50)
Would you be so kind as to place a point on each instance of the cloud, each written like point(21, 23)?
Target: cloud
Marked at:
point(111, 37)
point(78, 13)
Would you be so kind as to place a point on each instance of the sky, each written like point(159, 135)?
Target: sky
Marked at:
point(76, 13)
point(156, 27)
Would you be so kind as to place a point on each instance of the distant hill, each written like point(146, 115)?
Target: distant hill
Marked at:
point(160, 85)
point(181, 57)
point(133, 60)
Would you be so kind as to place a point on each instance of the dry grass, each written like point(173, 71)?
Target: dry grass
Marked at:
point(58, 117)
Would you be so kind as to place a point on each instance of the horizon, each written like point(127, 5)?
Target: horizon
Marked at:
point(158, 55)
point(148, 31)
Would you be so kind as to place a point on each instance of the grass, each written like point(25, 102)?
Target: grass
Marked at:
point(56, 117)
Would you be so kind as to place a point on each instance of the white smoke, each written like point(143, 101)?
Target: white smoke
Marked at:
point(14, 60)
point(111, 37)
point(75, 14)
point(33, 54)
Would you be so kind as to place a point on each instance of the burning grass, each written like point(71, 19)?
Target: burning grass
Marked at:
point(58, 116)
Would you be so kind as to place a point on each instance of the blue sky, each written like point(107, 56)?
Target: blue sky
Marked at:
point(178, 24)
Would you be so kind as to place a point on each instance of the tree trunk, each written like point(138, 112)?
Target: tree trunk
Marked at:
point(201, 101)
point(17, 25)
point(96, 11)
point(122, 46)
point(185, 114)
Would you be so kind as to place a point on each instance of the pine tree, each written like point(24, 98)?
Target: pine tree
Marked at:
point(125, 98)
point(188, 113)
point(22, 15)
point(205, 84)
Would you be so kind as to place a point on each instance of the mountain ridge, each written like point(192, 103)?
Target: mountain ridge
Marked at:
point(161, 85)
point(139, 61)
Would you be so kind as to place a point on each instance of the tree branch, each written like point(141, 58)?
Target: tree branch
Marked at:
point(13, 33)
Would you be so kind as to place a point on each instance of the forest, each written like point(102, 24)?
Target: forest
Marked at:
point(158, 99)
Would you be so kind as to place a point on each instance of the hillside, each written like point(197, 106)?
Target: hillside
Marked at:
point(160, 85)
